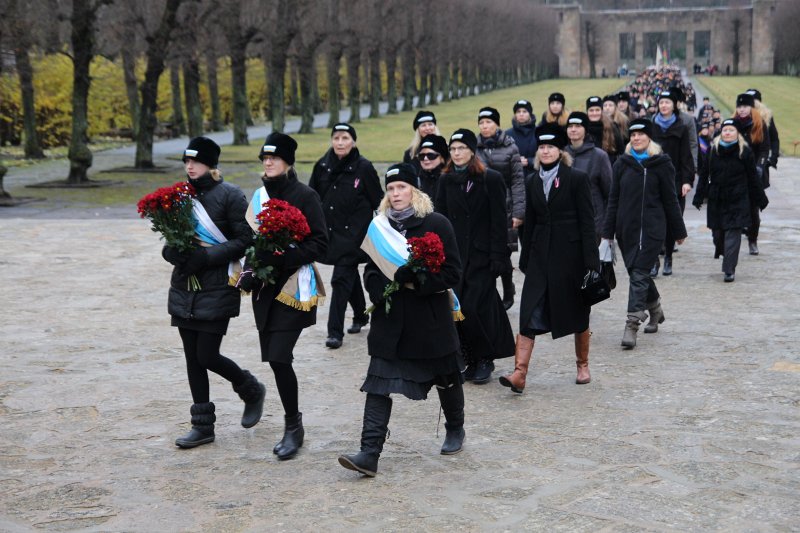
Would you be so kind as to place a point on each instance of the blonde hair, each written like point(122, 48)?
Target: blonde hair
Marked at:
point(215, 174)
point(562, 117)
point(421, 202)
point(652, 149)
point(766, 113)
point(740, 141)
point(565, 158)
point(417, 140)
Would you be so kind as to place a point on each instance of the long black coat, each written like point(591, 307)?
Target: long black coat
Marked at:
point(271, 315)
point(641, 204)
point(675, 143)
point(558, 246)
point(730, 185)
point(225, 204)
point(479, 221)
point(420, 322)
point(761, 150)
point(350, 191)
point(594, 162)
point(429, 181)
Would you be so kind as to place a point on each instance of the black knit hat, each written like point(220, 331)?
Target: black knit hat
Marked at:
point(579, 118)
point(402, 172)
point(745, 99)
point(204, 150)
point(755, 92)
point(520, 104)
point(490, 113)
point(279, 145)
point(611, 98)
point(678, 92)
point(437, 143)
point(623, 95)
point(642, 125)
point(423, 116)
point(344, 126)
point(557, 97)
point(669, 95)
point(732, 122)
point(551, 133)
point(465, 136)
point(593, 101)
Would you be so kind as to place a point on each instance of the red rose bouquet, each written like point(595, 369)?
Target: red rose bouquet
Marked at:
point(281, 225)
point(169, 209)
point(426, 254)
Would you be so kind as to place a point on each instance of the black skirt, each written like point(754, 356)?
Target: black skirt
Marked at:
point(278, 346)
point(218, 327)
point(413, 378)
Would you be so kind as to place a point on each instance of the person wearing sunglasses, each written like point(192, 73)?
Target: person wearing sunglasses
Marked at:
point(424, 124)
point(432, 157)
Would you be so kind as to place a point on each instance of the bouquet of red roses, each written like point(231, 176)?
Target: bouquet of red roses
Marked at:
point(426, 254)
point(170, 211)
point(281, 225)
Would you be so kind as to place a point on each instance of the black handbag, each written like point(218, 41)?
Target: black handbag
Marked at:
point(594, 288)
point(607, 273)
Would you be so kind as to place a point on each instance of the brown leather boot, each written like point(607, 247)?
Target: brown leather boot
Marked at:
point(582, 357)
point(522, 356)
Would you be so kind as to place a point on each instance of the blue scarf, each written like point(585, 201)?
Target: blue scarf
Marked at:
point(644, 156)
point(727, 144)
point(665, 123)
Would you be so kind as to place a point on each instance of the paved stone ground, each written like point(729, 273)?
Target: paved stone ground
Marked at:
point(697, 429)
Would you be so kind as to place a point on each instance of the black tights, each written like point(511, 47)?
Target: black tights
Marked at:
point(286, 381)
point(202, 354)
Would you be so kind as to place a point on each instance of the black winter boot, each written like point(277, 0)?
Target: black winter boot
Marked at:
point(293, 435)
point(202, 431)
point(252, 393)
point(377, 410)
point(508, 290)
point(452, 400)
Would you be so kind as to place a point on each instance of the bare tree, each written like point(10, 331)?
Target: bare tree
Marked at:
point(334, 61)
point(306, 43)
point(282, 23)
point(20, 31)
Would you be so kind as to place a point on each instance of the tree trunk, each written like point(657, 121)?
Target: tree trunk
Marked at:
point(294, 88)
point(33, 150)
point(213, 91)
point(305, 66)
point(737, 45)
point(191, 88)
point(83, 36)
point(334, 85)
point(353, 97)
point(446, 80)
point(178, 122)
point(239, 90)
point(131, 86)
point(276, 74)
point(391, 74)
point(156, 51)
point(316, 100)
point(409, 77)
point(422, 94)
point(4, 195)
point(375, 83)
point(432, 88)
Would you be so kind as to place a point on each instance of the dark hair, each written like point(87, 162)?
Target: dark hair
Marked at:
point(474, 167)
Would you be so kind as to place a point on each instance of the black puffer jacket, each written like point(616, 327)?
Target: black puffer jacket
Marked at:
point(500, 153)
point(216, 300)
point(594, 162)
point(350, 192)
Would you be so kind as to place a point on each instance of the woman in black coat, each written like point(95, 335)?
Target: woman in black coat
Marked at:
point(424, 124)
point(414, 346)
point(473, 198)
point(671, 133)
point(350, 190)
point(558, 247)
point(280, 317)
point(432, 157)
point(755, 131)
point(641, 205)
point(731, 186)
point(202, 316)
point(523, 131)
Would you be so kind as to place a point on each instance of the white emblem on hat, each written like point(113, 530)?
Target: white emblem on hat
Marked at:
point(637, 127)
point(427, 144)
point(522, 102)
point(426, 118)
point(485, 114)
point(547, 137)
point(342, 127)
point(269, 148)
point(393, 172)
point(456, 136)
point(575, 121)
point(190, 153)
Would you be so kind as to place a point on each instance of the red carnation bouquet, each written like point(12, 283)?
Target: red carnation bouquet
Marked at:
point(426, 254)
point(281, 225)
point(169, 209)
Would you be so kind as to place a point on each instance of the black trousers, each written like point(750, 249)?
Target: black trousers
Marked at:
point(755, 224)
point(346, 287)
point(669, 240)
point(201, 350)
point(642, 290)
point(730, 241)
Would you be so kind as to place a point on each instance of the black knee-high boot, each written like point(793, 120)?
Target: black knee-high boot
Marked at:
point(202, 431)
point(252, 393)
point(452, 400)
point(508, 290)
point(377, 410)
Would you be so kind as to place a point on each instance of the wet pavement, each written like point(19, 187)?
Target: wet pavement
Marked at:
point(696, 429)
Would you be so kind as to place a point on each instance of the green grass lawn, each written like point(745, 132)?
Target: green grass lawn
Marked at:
point(779, 93)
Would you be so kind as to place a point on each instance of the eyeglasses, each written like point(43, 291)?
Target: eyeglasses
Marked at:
point(456, 149)
point(430, 156)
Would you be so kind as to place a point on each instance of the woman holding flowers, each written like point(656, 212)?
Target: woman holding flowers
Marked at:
point(413, 343)
point(201, 310)
point(285, 285)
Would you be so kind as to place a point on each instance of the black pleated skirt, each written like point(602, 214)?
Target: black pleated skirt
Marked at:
point(413, 378)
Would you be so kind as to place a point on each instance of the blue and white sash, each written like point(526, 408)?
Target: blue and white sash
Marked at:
point(304, 289)
point(209, 235)
point(388, 249)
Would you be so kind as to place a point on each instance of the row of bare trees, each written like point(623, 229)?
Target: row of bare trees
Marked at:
point(387, 48)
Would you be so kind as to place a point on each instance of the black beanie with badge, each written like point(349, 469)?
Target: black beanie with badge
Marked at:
point(437, 143)
point(557, 97)
point(279, 145)
point(755, 92)
point(402, 172)
point(204, 150)
point(578, 118)
point(344, 126)
point(642, 125)
point(745, 99)
point(523, 104)
point(422, 117)
point(490, 113)
point(594, 101)
point(668, 95)
point(465, 136)
point(552, 134)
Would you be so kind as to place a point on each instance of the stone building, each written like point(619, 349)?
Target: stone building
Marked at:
point(689, 35)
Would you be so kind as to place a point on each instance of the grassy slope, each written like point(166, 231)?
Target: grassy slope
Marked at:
point(779, 93)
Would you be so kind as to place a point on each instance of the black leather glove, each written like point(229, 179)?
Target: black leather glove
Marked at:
point(266, 258)
point(174, 256)
point(697, 204)
point(404, 274)
point(248, 282)
point(196, 261)
point(498, 268)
